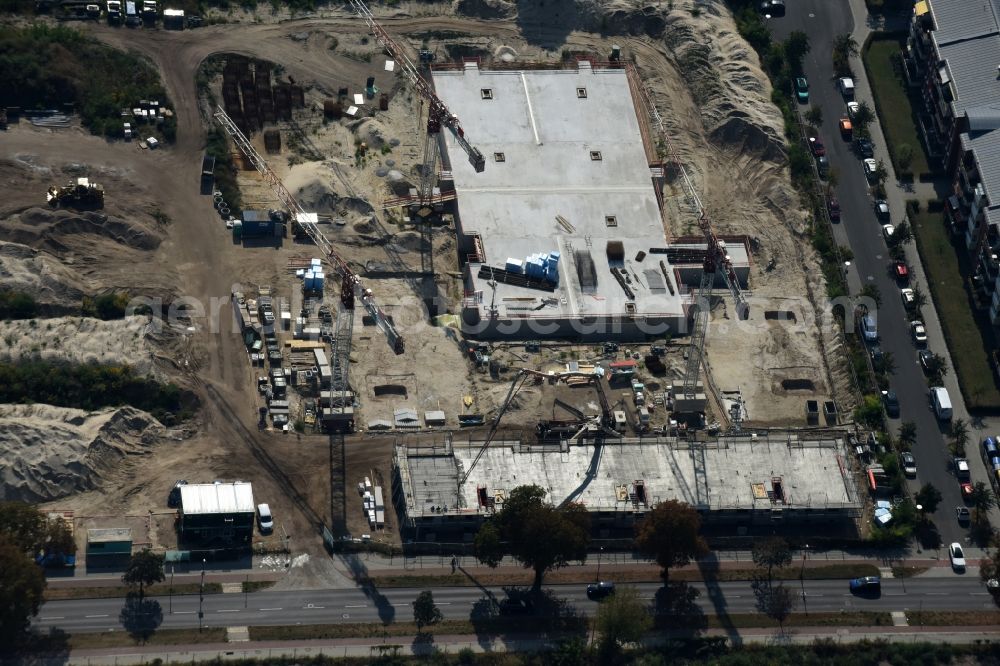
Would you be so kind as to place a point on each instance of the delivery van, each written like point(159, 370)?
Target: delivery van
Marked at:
point(941, 402)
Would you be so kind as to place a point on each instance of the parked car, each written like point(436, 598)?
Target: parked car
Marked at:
point(833, 207)
point(900, 270)
point(866, 324)
point(865, 147)
point(964, 476)
point(871, 167)
point(925, 356)
point(773, 8)
point(823, 166)
point(878, 358)
point(887, 231)
point(909, 297)
point(908, 463)
point(882, 210)
point(957, 556)
point(993, 586)
point(174, 497)
point(816, 146)
point(264, 519)
point(919, 332)
point(852, 109)
point(600, 590)
point(891, 402)
point(846, 85)
point(963, 515)
point(846, 129)
point(866, 585)
point(802, 90)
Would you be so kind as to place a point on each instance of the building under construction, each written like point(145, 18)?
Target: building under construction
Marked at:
point(563, 233)
point(744, 482)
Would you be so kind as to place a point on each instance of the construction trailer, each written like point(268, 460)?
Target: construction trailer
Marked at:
point(109, 547)
point(217, 515)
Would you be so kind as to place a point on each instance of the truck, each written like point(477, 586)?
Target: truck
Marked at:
point(149, 10)
point(207, 174)
point(941, 402)
point(114, 11)
point(131, 16)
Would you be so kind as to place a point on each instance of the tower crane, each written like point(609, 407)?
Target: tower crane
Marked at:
point(438, 116)
point(716, 261)
point(604, 423)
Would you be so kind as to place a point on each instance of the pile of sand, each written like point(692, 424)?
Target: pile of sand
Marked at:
point(54, 229)
point(55, 288)
point(81, 340)
point(48, 452)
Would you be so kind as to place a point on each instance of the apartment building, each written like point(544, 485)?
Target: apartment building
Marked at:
point(952, 57)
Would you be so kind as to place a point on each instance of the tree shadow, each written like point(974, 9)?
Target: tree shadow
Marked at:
point(423, 643)
point(37, 649)
point(547, 23)
point(141, 617)
point(520, 611)
point(928, 535)
point(675, 608)
point(359, 572)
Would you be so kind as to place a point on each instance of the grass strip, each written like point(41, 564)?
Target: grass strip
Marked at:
point(953, 618)
point(944, 264)
point(908, 572)
point(161, 637)
point(893, 103)
point(645, 575)
point(55, 593)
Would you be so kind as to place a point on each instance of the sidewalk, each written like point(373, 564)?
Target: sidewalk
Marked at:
point(361, 648)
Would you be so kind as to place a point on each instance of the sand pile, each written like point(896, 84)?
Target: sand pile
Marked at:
point(43, 227)
point(80, 340)
point(48, 452)
point(55, 288)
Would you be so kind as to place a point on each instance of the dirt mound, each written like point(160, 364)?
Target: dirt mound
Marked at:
point(55, 229)
point(81, 340)
point(484, 9)
point(47, 452)
point(317, 196)
point(55, 288)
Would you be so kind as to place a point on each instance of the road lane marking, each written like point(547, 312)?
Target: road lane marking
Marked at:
point(228, 610)
point(268, 609)
point(53, 617)
point(361, 606)
point(184, 613)
point(442, 603)
point(91, 616)
point(936, 594)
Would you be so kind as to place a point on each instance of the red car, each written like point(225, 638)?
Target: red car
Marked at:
point(816, 146)
point(833, 206)
point(900, 270)
point(966, 490)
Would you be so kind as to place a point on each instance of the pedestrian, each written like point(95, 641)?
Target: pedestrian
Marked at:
point(454, 564)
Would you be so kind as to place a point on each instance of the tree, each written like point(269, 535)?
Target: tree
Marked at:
point(796, 48)
point(814, 116)
point(881, 175)
point(537, 534)
point(907, 435)
point(928, 497)
point(775, 601)
point(144, 568)
point(22, 584)
point(669, 533)
point(937, 368)
point(771, 552)
point(863, 117)
point(623, 618)
point(902, 234)
point(24, 526)
point(425, 611)
point(872, 292)
point(869, 412)
point(844, 48)
point(919, 298)
point(959, 432)
point(989, 566)
point(904, 156)
point(887, 364)
point(982, 501)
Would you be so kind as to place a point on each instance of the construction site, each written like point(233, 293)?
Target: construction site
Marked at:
point(547, 246)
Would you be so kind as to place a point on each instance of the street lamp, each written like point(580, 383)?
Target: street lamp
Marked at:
point(600, 551)
point(171, 589)
point(201, 595)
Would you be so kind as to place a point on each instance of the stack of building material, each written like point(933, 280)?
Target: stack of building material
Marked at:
point(514, 265)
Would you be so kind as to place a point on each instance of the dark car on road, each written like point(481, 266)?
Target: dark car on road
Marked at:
point(833, 206)
point(774, 8)
point(600, 590)
point(882, 210)
point(866, 585)
point(516, 606)
point(891, 403)
point(816, 146)
point(865, 147)
point(925, 356)
point(802, 90)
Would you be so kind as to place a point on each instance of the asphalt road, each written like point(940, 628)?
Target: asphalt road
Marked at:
point(354, 606)
point(822, 21)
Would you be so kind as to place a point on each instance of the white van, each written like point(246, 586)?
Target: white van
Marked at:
point(264, 519)
point(941, 402)
point(846, 84)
